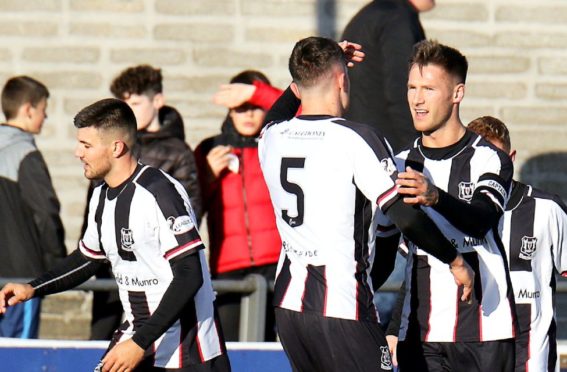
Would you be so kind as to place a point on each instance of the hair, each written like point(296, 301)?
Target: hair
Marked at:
point(491, 129)
point(312, 58)
point(249, 77)
point(109, 114)
point(142, 79)
point(20, 90)
point(430, 52)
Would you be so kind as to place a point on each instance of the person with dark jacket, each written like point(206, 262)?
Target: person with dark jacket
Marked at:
point(387, 31)
point(242, 227)
point(31, 231)
point(160, 144)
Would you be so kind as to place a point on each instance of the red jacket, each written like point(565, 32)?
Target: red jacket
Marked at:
point(241, 221)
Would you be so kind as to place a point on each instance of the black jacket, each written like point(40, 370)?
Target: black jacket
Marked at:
point(387, 31)
point(166, 149)
point(32, 238)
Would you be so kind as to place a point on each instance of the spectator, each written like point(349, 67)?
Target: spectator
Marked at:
point(387, 30)
point(30, 228)
point(242, 228)
point(141, 222)
point(161, 144)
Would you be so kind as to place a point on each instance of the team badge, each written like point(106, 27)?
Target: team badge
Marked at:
point(126, 239)
point(466, 190)
point(528, 248)
point(388, 166)
point(385, 360)
point(180, 225)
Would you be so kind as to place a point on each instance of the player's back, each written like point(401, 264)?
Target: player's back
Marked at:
point(325, 176)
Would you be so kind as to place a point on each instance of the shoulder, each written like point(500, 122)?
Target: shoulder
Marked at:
point(155, 181)
point(553, 199)
point(367, 134)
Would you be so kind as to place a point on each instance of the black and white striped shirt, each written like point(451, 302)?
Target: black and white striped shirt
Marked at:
point(432, 310)
point(326, 176)
point(139, 228)
point(534, 229)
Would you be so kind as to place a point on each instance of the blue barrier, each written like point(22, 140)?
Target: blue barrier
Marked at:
point(82, 356)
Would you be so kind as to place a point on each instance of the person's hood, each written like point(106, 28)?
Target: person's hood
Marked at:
point(9, 135)
point(171, 125)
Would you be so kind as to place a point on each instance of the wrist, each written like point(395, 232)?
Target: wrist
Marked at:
point(458, 262)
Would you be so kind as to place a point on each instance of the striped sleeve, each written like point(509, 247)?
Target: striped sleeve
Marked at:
point(177, 228)
point(496, 180)
point(89, 245)
point(558, 226)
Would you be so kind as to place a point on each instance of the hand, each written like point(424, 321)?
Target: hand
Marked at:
point(218, 159)
point(392, 345)
point(14, 293)
point(464, 275)
point(234, 95)
point(416, 184)
point(353, 52)
point(123, 357)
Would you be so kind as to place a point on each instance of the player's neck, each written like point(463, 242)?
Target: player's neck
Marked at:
point(446, 135)
point(122, 169)
point(316, 105)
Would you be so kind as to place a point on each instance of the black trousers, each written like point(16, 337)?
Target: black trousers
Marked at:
point(314, 343)
point(497, 356)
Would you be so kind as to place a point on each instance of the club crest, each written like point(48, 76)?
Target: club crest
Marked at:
point(388, 165)
point(528, 248)
point(126, 239)
point(466, 190)
point(385, 360)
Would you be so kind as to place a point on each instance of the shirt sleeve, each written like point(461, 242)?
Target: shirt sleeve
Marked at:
point(496, 180)
point(558, 227)
point(178, 233)
point(89, 245)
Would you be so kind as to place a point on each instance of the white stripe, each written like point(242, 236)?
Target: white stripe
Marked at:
point(184, 249)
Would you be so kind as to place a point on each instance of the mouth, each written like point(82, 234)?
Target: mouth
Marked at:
point(420, 113)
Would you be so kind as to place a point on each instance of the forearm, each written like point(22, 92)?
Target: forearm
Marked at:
point(396, 320)
point(474, 219)
point(386, 249)
point(421, 230)
point(265, 95)
point(71, 271)
point(187, 279)
point(285, 107)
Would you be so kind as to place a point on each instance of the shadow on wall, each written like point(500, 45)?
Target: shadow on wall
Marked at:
point(547, 172)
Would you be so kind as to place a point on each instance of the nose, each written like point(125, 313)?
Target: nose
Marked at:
point(417, 96)
point(78, 151)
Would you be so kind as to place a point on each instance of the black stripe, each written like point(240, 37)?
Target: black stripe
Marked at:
point(189, 330)
point(523, 243)
point(282, 282)
point(123, 234)
point(420, 303)
point(468, 322)
point(415, 160)
point(98, 214)
point(524, 312)
point(362, 219)
point(315, 290)
point(460, 185)
point(552, 357)
point(140, 308)
point(168, 199)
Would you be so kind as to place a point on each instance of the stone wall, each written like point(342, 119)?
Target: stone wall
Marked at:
point(517, 53)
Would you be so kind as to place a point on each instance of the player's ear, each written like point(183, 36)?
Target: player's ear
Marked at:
point(295, 90)
point(119, 148)
point(458, 93)
point(513, 155)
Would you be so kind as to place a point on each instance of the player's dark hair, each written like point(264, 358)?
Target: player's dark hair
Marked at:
point(109, 114)
point(142, 79)
point(430, 52)
point(20, 90)
point(249, 77)
point(491, 129)
point(312, 58)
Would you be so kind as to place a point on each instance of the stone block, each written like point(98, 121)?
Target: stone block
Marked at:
point(487, 64)
point(196, 32)
point(152, 56)
point(278, 8)
point(496, 89)
point(534, 115)
point(61, 55)
point(205, 84)
point(468, 12)
point(122, 6)
point(28, 29)
point(70, 79)
point(552, 66)
point(30, 5)
point(195, 7)
point(224, 57)
point(459, 38)
point(107, 30)
point(551, 91)
point(530, 40)
point(278, 34)
point(537, 13)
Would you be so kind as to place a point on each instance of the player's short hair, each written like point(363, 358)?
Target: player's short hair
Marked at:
point(249, 77)
point(430, 52)
point(312, 59)
point(109, 114)
point(20, 90)
point(141, 80)
point(491, 129)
